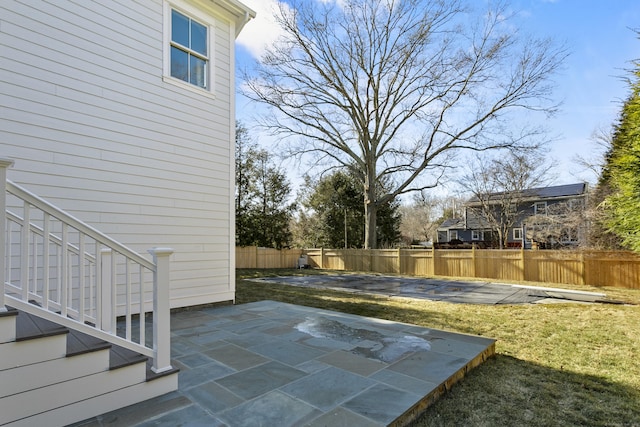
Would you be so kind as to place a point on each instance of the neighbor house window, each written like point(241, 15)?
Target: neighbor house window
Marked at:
point(477, 235)
point(517, 234)
point(453, 235)
point(576, 204)
point(540, 208)
point(188, 42)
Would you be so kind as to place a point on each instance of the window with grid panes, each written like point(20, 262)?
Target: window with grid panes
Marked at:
point(189, 50)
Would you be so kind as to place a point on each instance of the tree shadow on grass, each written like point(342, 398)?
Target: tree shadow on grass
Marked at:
point(361, 304)
point(503, 391)
point(512, 392)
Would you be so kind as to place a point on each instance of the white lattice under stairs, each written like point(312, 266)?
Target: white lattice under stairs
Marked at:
point(52, 375)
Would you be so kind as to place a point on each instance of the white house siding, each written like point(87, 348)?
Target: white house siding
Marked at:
point(94, 128)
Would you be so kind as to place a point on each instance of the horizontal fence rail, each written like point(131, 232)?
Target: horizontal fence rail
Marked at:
point(595, 268)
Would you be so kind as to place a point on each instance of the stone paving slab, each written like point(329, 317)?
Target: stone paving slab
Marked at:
point(279, 364)
point(454, 291)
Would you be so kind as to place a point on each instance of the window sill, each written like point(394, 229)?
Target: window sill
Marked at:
point(188, 86)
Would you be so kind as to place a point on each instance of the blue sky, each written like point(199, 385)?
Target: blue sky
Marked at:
point(601, 43)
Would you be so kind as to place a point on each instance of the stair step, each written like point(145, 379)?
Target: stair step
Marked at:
point(51, 397)
point(36, 375)
point(69, 375)
point(8, 324)
point(151, 376)
point(92, 407)
point(81, 343)
point(36, 340)
point(31, 327)
point(119, 357)
point(10, 311)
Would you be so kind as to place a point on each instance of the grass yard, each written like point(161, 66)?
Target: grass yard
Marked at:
point(556, 364)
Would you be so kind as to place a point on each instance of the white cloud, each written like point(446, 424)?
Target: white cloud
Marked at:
point(261, 31)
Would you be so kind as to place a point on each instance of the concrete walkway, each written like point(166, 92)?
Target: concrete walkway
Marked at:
point(276, 364)
point(455, 291)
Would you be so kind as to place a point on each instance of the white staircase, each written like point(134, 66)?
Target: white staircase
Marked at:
point(84, 321)
point(51, 375)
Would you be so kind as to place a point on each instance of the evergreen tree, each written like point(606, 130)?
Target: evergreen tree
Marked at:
point(622, 172)
point(263, 212)
point(245, 154)
point(336, 205)
point(272, 212)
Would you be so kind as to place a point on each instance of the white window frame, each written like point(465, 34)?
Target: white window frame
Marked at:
point(536, 208)
point(453, 235)
point(477, 235)
point(202, 18)
point(517, 234)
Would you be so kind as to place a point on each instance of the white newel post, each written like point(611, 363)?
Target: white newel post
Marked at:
point(4, 165)
point(161, 311)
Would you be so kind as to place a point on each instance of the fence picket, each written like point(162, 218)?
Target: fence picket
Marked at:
point(595, 268)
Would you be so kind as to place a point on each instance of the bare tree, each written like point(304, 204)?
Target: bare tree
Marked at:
point(597, 234)
point(498, 188)
point(420, 218)
point(595, 159)
point(393, 89)
point(562, 223)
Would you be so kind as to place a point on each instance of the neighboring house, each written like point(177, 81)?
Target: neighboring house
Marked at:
point(122, 113)
point(542, 217)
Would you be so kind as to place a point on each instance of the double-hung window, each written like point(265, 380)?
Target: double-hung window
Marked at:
point(517, 234)
point(189, 50)
point(188, 46)
point(540, 208)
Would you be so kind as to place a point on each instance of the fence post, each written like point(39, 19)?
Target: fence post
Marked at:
point(321, 258)
point(256, 256)
point(523, 273)
point(161, 310)
point(433, 259)
point(473, 261)
point(4, 165)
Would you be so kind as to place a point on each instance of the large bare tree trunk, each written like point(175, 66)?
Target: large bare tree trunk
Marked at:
point(370, 218)
point(370, 206)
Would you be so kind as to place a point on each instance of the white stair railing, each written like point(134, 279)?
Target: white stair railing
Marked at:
point(62, 269)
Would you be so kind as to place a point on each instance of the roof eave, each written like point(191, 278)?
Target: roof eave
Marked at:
point(242, 12)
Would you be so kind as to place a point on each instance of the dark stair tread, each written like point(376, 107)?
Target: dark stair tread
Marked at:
point(10, 311)
point(155, 375)
point(32, 327)
point(119, 357)
point(81, 343)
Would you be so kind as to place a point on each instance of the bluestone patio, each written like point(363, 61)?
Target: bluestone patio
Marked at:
point(274, 364)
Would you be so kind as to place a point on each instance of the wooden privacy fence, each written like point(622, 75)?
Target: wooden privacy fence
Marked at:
point(254, 257)
point(596, 268)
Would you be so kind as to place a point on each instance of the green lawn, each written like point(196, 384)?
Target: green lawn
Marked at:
point(556, 364)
